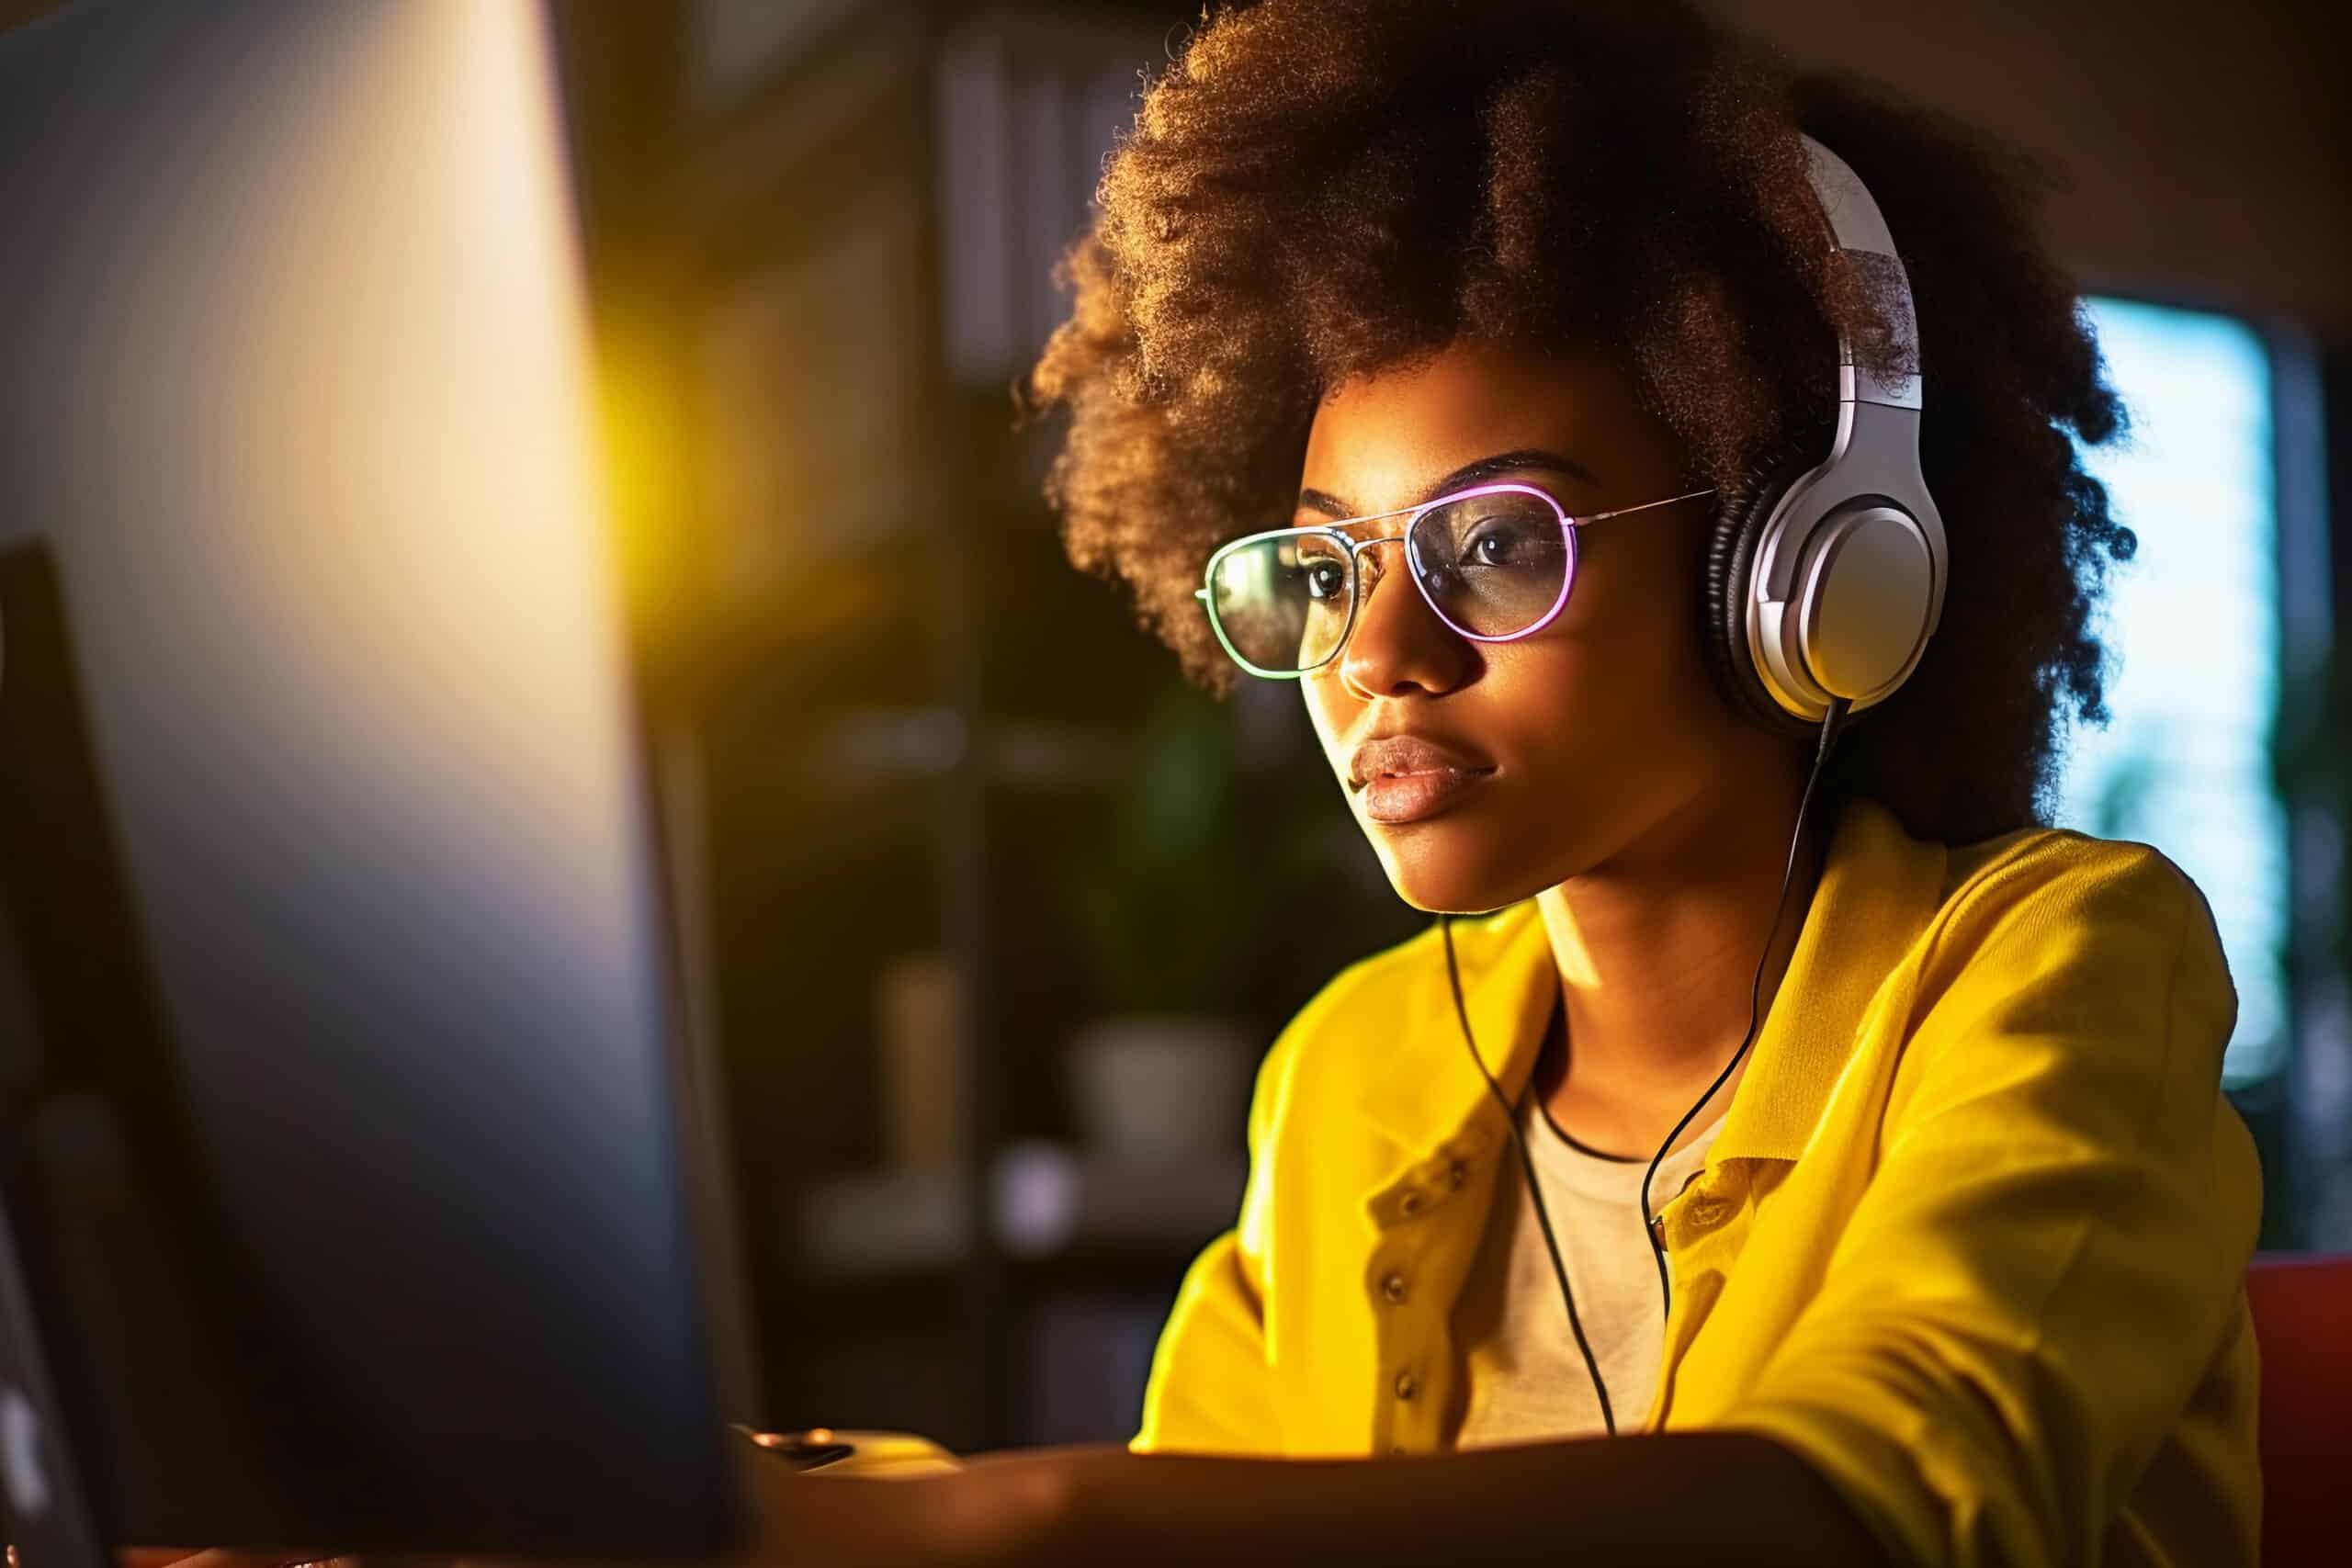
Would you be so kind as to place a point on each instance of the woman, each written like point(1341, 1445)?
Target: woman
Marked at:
point(1952, 1247)
point(1804, 1111)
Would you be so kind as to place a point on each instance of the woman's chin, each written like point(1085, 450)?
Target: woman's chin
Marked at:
point(1436, 882)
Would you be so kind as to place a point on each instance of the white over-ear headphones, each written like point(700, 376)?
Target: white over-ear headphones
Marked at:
point(1827, 578)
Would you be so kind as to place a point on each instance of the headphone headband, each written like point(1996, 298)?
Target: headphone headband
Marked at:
point(1861, 233)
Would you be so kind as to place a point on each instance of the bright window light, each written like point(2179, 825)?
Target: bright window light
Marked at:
point(2193, 633)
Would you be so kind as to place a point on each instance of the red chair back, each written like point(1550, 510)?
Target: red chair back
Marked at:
point(2302, 1322)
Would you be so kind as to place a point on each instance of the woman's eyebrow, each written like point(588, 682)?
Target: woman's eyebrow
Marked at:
point(1469, 474)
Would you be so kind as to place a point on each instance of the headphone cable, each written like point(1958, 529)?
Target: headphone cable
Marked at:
point(1833, 723)
point(1534, 1188)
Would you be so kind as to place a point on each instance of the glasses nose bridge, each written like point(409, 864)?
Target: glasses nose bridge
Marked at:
point(1360, 551)
point(1370, 569)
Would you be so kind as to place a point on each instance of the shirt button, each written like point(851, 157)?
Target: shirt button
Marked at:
point(1657, 1231)
point(1393, 1287)
point(1407, 1385)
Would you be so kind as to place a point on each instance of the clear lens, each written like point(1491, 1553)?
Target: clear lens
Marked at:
point(1282, 603)
point(1492, 564)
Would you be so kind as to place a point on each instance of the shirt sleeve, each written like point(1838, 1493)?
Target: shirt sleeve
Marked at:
point(1211, 1384)
point(2053, 1248)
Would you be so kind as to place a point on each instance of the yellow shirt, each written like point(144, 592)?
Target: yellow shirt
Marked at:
point(1973, 1238)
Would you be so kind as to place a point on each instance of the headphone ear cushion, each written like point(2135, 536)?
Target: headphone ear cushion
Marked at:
point(1742, 511)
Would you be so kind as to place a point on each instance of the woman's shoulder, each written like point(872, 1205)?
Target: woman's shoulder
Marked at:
point(2050, 879)
point(2055, 912)
point(2066, 858)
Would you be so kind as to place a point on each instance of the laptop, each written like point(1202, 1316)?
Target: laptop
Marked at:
point(350, 1189)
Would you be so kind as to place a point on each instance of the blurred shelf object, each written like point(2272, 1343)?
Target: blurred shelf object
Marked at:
point(921, 1023)
point(1048, 1199)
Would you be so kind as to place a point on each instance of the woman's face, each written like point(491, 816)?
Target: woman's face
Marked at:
point(1555, 752)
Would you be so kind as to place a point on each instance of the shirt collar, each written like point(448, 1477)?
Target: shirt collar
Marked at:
point(1878, 887)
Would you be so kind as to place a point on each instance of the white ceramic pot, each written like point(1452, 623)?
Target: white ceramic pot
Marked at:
point(1155, 1086)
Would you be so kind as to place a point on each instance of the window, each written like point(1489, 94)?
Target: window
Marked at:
point(2193, 629)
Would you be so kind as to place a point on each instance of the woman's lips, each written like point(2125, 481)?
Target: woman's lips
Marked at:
point(1407, 777)
point(1407, 797)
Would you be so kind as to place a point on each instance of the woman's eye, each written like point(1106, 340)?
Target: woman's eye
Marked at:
point(1324, 579)
point(1492, 548)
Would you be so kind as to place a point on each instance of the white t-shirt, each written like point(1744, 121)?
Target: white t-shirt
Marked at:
point(1525, 1379)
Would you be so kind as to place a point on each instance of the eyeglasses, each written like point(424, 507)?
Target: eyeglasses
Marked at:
point(1495, 563)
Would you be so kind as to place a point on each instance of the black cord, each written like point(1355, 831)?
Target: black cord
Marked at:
point(1832, 723)
point(1534, 1188)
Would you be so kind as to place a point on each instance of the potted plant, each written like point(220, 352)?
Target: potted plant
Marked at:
point(1175, 901)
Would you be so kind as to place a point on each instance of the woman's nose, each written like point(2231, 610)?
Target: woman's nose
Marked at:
point(1399, 643)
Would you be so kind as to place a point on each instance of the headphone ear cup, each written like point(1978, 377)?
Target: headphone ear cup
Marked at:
point(1740, 516)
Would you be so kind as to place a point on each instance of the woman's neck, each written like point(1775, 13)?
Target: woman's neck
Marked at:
point(1657, 951)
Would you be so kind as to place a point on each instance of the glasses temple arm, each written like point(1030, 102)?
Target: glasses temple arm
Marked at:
point(1620, 512)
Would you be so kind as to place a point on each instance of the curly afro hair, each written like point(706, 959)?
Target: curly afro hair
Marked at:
point(1315, 189)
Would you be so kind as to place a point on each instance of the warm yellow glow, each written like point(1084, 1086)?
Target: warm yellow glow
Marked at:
point(645, 470)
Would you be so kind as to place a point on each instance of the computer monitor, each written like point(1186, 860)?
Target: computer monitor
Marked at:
point(346, 1138)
